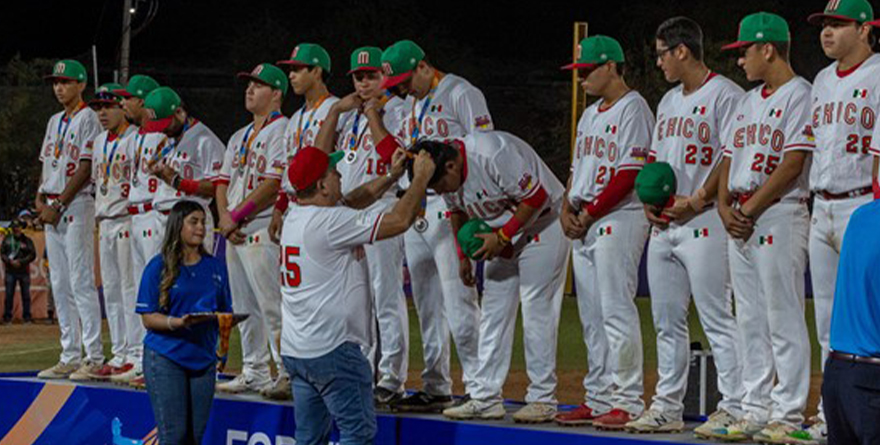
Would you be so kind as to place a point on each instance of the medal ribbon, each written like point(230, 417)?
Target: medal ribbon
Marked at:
point(300, 131)
point(356, 134)
point(249, 138)
point(109, 161)
point(60, 134)
point(417, 127)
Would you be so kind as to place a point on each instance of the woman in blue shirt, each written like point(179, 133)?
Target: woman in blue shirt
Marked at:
point(180, 345)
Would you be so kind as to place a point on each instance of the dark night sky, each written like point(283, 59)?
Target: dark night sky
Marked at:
point(201, 33)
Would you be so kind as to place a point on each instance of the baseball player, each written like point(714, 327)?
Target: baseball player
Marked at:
point(187, 164)
point(309, 65)
point(499, 178)
point(687, 254)
point(438, 105)
point(111, 173)
point(762, 200)
point(844, 107)
point(363, 163)
point(66, 207)
point(138, 146)
point(609, 230)
point(326, 290)
point(246, 191)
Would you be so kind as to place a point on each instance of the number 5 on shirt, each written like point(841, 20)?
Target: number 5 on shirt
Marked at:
point(290, 275)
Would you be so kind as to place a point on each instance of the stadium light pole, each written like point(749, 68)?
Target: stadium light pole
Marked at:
point(125, 52)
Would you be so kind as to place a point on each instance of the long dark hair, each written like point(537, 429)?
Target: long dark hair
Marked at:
point(172, 248)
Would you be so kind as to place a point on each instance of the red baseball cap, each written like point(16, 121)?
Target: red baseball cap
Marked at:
point(309, 165)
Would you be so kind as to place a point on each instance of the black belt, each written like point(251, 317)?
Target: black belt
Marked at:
point(844, 357)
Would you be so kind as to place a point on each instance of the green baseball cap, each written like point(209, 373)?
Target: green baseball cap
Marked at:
point(268, 74)
point(467, 238)
point(105, 95)
point(138, 86)
point(760, 27)
point(68, 69)
point(847, 10)
point(596, 50)
point(367, 58)
point(399, 60)
point(308, 54)
point(655, 183)
point(162, 103)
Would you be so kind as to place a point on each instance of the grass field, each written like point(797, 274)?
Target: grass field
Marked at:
point(33, 347)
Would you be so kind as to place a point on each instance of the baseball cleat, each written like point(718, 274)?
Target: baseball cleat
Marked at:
point(422, 402)
point(86, 371)
point(476, 410)
point(816, 434)
point(384, 397)
point(279, 389)
point(60, 371)
point(717, 420)
point(739, 431)
point(775, 433)
point(535, 412)
point(614, 420)
point(582, 415)
point(652, 421)
point(243, 383)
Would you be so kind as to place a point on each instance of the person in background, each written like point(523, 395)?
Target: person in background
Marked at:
point(17, 252)
point(179, 287)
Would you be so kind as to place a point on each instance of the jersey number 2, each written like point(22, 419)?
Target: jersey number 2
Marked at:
point(291, 276)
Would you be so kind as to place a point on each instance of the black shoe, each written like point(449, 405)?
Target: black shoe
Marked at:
point(461, 401)
point(384, 396)
point(422, 402)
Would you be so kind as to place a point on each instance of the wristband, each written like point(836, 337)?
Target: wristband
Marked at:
point(168, 322)
point(189, 186)
point(509, 229)
point(175, 181)
point(282, 202)
point(238, 215)
point(502, 236)
point(386, 148)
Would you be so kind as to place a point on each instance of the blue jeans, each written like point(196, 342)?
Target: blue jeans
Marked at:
point(24, 280)
point(337, 386)
point(181, 398)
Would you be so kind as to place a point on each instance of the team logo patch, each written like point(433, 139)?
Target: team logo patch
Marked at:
point(216, 165)
point(639, 153)
point(525, 183)
point(483, 121)
point(386, 67)
point(295, 52)
point(257, 70)
point(808, 132)
point(364, 57)
point(60, 67)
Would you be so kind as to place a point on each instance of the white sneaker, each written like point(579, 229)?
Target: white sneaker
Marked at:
point(243, 383)
point(475, 409)
point(653, 421)
point(535, 413)
point(127, 376)
point(718, 419)
point(278, 390)
point(739, 431)
point(775, 432)
point(61, 370)
point(86, 371)
point(816, 434)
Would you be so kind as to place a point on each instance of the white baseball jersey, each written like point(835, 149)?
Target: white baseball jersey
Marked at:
point(609, 141)
point(325, 285)
point(111, 172)
point(67, 142)
point(198, 155)
point(500, 170)
point(143, 147)
point(265, 157)
point(361, 162)
point(763, 130)
point(690, 129)
point(845, 108)
point(301, 131)
point(453, 109)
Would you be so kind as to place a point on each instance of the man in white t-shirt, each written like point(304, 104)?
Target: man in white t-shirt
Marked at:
point(326, 290)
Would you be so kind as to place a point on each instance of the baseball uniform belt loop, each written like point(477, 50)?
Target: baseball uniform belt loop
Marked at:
point(855, 193)
point(845, 357)
point(51, 198)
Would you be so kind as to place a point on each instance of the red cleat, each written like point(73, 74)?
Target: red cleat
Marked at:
point(582, 415)
point(614, 420)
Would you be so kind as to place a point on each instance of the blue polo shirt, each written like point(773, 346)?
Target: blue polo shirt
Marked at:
point(202, 287)
point(855, 319)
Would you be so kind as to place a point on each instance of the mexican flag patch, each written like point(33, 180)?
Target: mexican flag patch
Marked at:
point(863, 93)
point(700, 110)
point(766, 240)
point(701, 233)
point(605, 231)
point(611, 129)
point(776, 112)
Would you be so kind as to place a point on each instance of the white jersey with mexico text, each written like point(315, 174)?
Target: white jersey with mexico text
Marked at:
point(67, 142)
point(690, 129)
point(844, 109)
point(111, 172)
point(608, 141)
point(763, 130)
point(143, 147)
point(265, 158)
point(325, 284)
point(301, 131)
point(361, 163)
point(453, 108)
point(198, 155)
point(500, 170)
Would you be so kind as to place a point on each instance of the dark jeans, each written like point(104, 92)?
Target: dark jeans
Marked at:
point(851, 397)
point(337, 386)
point(24, 280)
point(181, 399)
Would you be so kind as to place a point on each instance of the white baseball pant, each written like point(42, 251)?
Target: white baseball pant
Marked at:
point(829, 221)
point(71, 249)
point(606, 273)
point(536, 274)
point(684, 260)
point(767, 272)
point(443, 303)
point(145, 244)
point(120, 292)
point(253, 279)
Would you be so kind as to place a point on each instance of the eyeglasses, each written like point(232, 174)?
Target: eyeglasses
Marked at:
point(660, 53)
